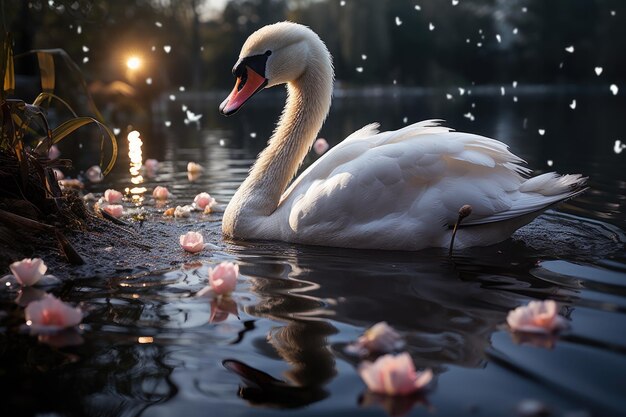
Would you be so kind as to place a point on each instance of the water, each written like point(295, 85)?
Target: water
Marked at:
point(151, 348)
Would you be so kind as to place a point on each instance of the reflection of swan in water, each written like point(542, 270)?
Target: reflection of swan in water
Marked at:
point(447, 316)
point(397, 190)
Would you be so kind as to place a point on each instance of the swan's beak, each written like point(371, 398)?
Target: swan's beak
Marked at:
point(247, 85)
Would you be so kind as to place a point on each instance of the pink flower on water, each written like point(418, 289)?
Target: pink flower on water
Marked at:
point(151, 164)
point(223, 278)
point(380, 338)
point(114, 210)
point(320, 146)
point(50, 315)
point(192, 242)
point(204, 200)
point(94, 174)
point(194, 167)
point(113, 196)
point(536, 317)
point(28, 271)
point(161, 193)
point(393, 375)
point(54, 152)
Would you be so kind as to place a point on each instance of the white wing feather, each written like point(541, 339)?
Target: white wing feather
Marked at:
point(411, 183)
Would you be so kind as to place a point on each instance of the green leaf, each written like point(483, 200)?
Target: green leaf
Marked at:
point(72, 125)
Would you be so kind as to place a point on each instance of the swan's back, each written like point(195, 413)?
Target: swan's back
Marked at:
point(403, 190)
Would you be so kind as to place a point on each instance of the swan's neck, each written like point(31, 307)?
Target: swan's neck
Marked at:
point(308, 102)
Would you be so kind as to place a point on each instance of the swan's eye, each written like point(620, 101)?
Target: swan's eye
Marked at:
point(268, 52)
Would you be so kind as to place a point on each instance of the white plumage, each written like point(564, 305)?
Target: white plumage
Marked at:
point(391, 190)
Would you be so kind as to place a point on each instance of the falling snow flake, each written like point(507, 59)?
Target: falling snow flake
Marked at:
point(167, 48)
point(514, 84)
point(431, 27)
point(158, 24)
point(398, 21)
point(515, 31)
point(449, 96)
point(455, 2)
point(172, 97)
point(253, 134)
point(148, 80)
point(618, 147)
point(168, 123)
point(359, 69)
point(461, 91)
point(542, 131)
point(85, 59)
point(570, 49)
point(498, 38)
point(342, 3)
point(598, 70)
point(614, 89)
point(85, 49)
point(418, 7)
point(502, 91)
point(470, 116)
point(550, 162)
point(572, 105)
point(363, 57)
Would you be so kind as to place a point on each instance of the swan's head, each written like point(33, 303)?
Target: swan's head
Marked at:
point(275, 54)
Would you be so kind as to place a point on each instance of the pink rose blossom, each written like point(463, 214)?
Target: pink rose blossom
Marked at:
point(28, 271)
point(114, 210)
point(113, 196)
point(192, 242)
point(194, 167)
point(204, 200)
point(49, 315)
point(380, 338)
point(223, 278)
point(94, 174)
point(393, 375)
point(536, 317)
point(161, 193)
point(320, 146)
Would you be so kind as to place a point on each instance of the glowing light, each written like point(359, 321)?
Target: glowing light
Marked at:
point(133, 63)
point(145, 339)
point(135, 155)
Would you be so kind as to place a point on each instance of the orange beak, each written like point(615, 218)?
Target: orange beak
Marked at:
point(246, 86)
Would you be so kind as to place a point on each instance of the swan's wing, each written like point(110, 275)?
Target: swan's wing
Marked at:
point(359, 142)
point(416, 177)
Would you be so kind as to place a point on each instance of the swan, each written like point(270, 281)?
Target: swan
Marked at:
point(395, 190)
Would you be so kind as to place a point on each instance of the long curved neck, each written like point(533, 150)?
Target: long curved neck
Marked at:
point(308, 102)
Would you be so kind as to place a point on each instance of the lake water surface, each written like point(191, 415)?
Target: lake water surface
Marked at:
point(151, 348)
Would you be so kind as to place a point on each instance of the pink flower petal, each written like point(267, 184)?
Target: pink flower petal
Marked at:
point(320, 146)
point(223, 278)
point(50, 315)
point(161, 193)
point(204, 200)
point(113, 196)
point(28, 271)
point(192, 242)
point(114, 210)
point(394, 375)
point(536, 317)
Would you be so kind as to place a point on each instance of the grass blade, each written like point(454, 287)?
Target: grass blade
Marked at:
point(70, 126)
point(46, 68)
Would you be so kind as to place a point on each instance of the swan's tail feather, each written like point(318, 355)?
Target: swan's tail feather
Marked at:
point(537, 195)
point(553, 184)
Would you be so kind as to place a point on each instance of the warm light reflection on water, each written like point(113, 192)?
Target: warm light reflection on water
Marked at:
point(136, 161)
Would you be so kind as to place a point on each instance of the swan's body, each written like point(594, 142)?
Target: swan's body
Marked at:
point(391, 190)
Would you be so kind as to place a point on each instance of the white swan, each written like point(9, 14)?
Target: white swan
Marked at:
point(391, 190)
